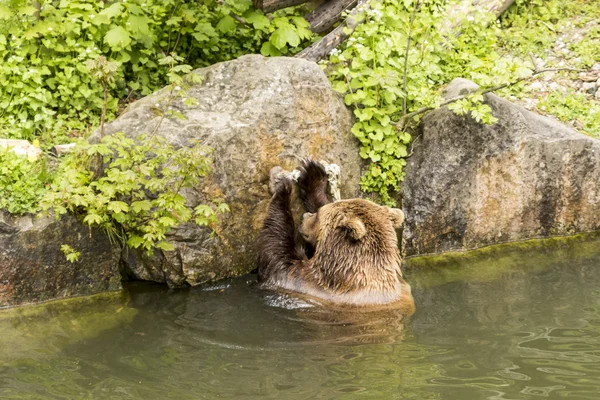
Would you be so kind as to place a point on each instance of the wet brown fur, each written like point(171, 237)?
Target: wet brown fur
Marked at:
point(354, 257)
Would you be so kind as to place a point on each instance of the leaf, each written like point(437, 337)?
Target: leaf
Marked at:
point(5, 12)
point(300, 22)
point(141, 205)
point(167, 221)
point(135, 241)
point(227, 24)
point(206, 29)
point(70, 253)
point(92, 219)
point(257, 19)
point(285, 35)
point(117, 38)
point(401, 151)
point(117, 206)
point(378, 146)
point(240, 5)
point(374, 156)
point(72, 257)
point(27, 10)
point(268, 50)
point(112, 11)
point(340, 86)
point(100, 19)
point(166, 246)
point(139, 24)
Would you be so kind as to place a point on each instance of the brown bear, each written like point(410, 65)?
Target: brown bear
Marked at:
point(347, 252)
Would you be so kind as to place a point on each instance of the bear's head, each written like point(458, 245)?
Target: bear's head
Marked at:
point(355, 244)
point(353, 221)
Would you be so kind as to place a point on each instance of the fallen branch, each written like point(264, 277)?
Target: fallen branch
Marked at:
point(423, 110)
point(323, 47)
point(268, 6)
point(333, 39)
point(327, 14)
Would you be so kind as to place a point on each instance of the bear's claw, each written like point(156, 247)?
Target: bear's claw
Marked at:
point(278, 176)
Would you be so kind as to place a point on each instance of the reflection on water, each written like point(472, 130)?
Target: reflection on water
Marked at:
point(520, 322)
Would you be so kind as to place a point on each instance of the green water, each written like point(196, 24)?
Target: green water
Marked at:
point(516, 322)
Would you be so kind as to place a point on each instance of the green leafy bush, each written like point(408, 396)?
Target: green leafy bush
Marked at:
point(533, 26)
point(571, 106)
point(383, 83)
point(22, 182)
point(529, 25)
point(132, 188)
point(46, 88)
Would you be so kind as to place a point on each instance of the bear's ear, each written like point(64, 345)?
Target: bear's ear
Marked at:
point(397, 217)
point(355, 227)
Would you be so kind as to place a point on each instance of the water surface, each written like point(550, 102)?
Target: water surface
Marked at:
point(515, 322)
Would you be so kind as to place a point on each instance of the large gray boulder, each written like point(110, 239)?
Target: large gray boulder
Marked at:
point(470, 185)
point(33, 268)
point(256, 113)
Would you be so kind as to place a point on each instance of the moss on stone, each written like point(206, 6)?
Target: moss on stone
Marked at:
point(488, 263)
point(50, 326)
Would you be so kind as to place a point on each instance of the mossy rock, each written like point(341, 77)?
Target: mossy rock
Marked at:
point(256, 113)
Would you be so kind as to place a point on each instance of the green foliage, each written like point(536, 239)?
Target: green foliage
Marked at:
point(533, 26)
point(47, 88)
point(134, 194)
point(288, 33)
point(529, 25)
point(130, 188)
point(473, 105)
point(369, 69)
point(537, 26)
point(103, 70)
point(588, 48)
point(70, 253)
point(22, 182)
point(573, 106)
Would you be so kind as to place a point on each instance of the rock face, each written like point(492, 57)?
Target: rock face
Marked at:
point(469, 185)
point(256, 113)
point(33, 269)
